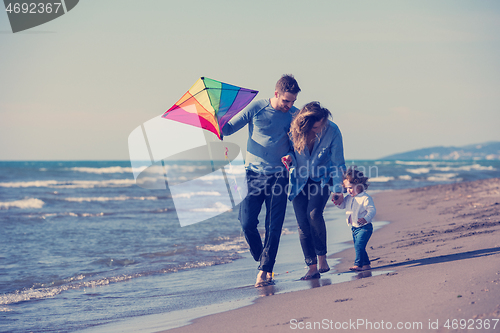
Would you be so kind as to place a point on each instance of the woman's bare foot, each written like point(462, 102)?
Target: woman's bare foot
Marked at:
point(312, 273)
point(270, 276)
point(323, 265)
point(355, 268)
point(261, 279)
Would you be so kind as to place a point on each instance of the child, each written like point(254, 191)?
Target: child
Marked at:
point(360, 211)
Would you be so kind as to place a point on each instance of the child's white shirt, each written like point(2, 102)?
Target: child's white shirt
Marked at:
point(359, 206)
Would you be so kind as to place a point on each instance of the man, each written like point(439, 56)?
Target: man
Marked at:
point(268, 125)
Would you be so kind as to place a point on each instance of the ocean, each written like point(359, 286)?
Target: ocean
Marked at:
point(83, 248)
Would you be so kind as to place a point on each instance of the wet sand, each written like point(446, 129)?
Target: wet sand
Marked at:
point(441, 252)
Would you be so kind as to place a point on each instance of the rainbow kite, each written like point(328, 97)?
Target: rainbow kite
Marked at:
point(210, 104)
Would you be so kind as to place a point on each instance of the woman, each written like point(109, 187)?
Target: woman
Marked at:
point(315, 171)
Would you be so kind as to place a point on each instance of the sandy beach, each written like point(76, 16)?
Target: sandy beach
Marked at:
point(442, 254)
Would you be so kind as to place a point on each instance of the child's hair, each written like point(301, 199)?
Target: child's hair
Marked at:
point(356, 178)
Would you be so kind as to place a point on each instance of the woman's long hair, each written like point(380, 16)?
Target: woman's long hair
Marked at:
point(304, 121)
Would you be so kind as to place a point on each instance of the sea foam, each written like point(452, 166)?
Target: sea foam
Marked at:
point(237, 245)
point(193, 194)
point(217, 207)
point(113, 169)
point(381, 179)
point(104, 199)
point(40, 293)
point(443, 177)
point(419, 171)
point(71, 183)
point(23, 204)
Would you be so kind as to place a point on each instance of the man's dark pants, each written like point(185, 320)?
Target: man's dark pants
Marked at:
point(271, 190)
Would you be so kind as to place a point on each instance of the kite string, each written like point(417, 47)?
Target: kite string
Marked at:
point(231, 169)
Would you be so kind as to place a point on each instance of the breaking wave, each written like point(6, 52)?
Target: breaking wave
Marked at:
point(217, 207)
point(193, 194)
point(75, 283)
point(23, 204)
point(237, 245)
point(104, 199)
point(381, 179)
point(113, 169)
point(71, 183)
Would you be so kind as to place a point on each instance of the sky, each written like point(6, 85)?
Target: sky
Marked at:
point(396, 75)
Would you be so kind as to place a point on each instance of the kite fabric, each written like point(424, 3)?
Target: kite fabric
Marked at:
point(210, 104)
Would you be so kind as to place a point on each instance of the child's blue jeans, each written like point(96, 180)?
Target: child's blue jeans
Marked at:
point(361, 236)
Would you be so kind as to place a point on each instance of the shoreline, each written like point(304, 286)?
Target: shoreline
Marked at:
point(235, 280)
point(441, 249)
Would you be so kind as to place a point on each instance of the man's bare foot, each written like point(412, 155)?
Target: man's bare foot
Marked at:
point(270, 276)
point(323, 265)
point(355, 268)
point(261, 279)
point(366, 267)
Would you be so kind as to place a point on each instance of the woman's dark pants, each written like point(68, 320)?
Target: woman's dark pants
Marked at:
point(309, 205)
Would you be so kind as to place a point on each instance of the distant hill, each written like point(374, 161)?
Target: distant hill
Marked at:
point(482, 151)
